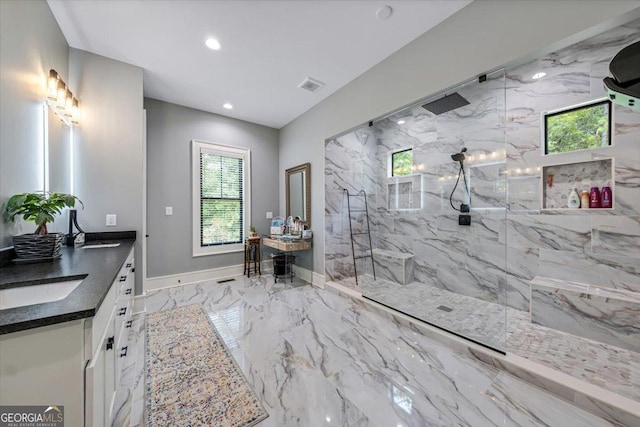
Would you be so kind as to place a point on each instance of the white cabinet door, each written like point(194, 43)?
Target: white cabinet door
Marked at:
point(100, 380)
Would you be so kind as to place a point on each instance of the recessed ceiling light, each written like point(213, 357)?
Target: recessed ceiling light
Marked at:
point(227, 106)
point(384, 13)
point(539, 75)
point(400, 122)
point(213, 44)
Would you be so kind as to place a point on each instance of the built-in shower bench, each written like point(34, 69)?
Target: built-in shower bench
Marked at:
point(599, 313)
point(395, 266)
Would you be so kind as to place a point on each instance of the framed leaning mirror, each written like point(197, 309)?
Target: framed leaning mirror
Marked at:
point(298, 189)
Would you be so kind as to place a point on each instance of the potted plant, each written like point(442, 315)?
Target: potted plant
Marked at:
point(252, 232)
point(40, 208)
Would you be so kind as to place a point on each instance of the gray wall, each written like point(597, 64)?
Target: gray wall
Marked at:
point(170, 129)
point(481, 37)
point(108, 144)
point(30, 44)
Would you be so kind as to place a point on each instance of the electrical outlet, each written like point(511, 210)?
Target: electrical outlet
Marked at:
point(111, 220)
point(269, 215)
point(168, 211)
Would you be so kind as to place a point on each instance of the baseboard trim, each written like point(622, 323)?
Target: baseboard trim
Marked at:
point(309, 276)
point(139, 304)
point(162, 282)
point(318, 280)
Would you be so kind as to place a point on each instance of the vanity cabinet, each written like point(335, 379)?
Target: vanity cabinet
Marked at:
point(107, 333)
point(75, 364)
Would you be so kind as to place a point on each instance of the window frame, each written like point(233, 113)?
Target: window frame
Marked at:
point(583, 105)
point(391, 159)
point(198, 147)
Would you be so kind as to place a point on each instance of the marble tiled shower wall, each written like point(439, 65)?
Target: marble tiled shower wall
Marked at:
point(598, 248)
point(511, 239)
point(466, 260)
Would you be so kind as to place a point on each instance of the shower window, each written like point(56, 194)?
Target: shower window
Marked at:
point(402, 162)
point(579, 127)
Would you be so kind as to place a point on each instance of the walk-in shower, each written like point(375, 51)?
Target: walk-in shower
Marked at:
point(430, 261)
point(460, 234)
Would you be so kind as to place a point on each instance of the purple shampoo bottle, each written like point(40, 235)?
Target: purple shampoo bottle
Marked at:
point(606, 198)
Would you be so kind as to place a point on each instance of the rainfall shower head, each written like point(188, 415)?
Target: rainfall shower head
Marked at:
point(459, 157)
point(446, 103)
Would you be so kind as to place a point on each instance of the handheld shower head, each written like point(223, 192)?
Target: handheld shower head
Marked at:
point(459, 157)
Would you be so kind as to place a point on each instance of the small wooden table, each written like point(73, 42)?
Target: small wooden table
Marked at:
point(252, 254)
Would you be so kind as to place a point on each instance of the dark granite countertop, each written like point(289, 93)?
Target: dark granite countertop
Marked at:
point(101, 267)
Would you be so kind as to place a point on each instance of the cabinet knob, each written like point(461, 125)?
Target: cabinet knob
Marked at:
point(128, 265)
point(129, 323)
point(127, 292)
point(110, 342)
point(122, 311)
point(123, 278)
point(123, 351)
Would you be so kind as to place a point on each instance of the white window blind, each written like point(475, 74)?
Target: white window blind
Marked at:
point(220, 198)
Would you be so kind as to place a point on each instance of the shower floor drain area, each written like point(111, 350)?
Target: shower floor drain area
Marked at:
point(444, 308)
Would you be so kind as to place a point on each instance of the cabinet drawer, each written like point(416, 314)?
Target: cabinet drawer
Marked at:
point(100, 320)
point(122, 315)
point(126, 288)
point(123, 352)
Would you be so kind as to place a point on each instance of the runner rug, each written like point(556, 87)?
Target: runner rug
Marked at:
point(191, 378)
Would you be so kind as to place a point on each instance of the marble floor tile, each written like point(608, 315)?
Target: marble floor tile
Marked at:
point(315, 358)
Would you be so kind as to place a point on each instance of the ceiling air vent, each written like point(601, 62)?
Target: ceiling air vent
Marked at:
point(311, 85)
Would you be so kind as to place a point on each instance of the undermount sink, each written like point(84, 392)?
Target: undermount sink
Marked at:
point(102, 245)
point(36, 294)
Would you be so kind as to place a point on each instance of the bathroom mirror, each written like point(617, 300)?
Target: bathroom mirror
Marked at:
point(59, 158)
point(298, 187)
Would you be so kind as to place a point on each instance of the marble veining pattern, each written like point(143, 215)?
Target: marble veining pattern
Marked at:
point(588, 314)
point(315, 358)
point(610, 367)
point(394, 266)
point(511, 239)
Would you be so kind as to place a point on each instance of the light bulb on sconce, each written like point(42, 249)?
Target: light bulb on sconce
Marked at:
point(75, 111)
point(68, 100)
point(61, 95)
point(52, 86)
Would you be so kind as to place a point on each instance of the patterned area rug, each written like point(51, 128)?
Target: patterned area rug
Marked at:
point(192, 380)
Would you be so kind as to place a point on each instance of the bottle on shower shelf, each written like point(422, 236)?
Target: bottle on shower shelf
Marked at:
point(573, 202)
point(606, 197)
point(584, 200)
point(594, 197)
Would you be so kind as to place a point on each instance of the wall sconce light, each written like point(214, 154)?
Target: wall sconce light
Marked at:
point(52, 86)
point(61, 98)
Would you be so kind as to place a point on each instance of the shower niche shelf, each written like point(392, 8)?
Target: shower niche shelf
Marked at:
point(559, 179)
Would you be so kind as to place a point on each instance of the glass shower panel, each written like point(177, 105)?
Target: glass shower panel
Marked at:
point(428, 265)
point(350, 169)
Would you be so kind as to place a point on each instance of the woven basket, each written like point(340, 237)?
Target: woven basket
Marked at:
point(36, 246)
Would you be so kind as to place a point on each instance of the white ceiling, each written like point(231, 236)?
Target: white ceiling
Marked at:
point(268, 47)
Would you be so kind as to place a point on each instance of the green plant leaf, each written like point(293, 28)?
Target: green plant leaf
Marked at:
point(39, 207)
